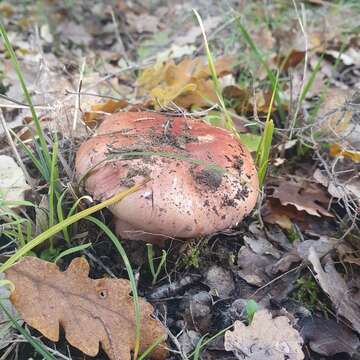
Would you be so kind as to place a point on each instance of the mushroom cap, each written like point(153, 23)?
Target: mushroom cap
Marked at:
point(202, 180)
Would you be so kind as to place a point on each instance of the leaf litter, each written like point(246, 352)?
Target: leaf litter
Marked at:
point(315, 197)
point(265, 338)
point(92, 312)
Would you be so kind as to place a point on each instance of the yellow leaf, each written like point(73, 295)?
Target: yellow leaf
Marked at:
point(152, 76)
point(336, 149)
point(187, 84)
point(110, 106)
point(163, 96)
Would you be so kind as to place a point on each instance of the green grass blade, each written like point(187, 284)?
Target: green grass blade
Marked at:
point(152, 347)
point(161, 264)
point(17, 69)
point(205, 342)
point(270, 74)
point(29, 153)
point(53, 186)
point(198, 348)
point(60, 216)
point(215, 79)
point(264, 151)
point(72, 251)
point(311, 79)
point(34, 343)
point(70, 220)
point(150, 255)
point(132, 280)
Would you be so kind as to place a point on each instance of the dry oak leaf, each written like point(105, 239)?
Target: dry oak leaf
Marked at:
point(266, 338)
point(92, 312)
point(186, 83)
point(309, 198)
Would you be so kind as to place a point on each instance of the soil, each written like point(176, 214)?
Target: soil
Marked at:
point(210, 178)
point(259, 259)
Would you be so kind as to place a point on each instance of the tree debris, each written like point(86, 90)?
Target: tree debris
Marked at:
point(92, 312)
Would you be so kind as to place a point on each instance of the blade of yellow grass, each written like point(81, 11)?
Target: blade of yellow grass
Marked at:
point(61, 225)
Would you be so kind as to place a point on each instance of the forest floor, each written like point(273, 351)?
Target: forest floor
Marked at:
point(297, 255)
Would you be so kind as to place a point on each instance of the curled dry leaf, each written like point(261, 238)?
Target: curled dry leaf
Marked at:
point(92, 312)
point(92, 117)
point(337, 289)
point(328, 337)
point(334, 116)
point(265, 338)
point(303, 197)
point(337, 150)
point(187, 83)
point(347, 186)
point(12, 180)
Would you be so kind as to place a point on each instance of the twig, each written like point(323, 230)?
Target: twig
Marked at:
point(276, 279)
point(8, 351)
point(77, 100)
point(217, 31)
point(118, 36)
point(302, 23)
point(40, 107)
point(14, 149)
point(67, 92)
point(99, 262)
point(19, 104)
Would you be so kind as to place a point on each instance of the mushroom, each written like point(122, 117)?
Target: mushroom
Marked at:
point(201, 179)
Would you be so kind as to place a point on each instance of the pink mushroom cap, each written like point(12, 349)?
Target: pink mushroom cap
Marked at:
point(202, 179)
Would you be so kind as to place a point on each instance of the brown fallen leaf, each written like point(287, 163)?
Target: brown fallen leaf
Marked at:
point(290, 60)
point(142, 23)
point(274, 213)
point(92, 312)
point(186, 84)
point(252, 267)
point(240, 96)
point(328, 337)
point(92, 117)
point(265, 338)
point(337, 289)
point(305, 197)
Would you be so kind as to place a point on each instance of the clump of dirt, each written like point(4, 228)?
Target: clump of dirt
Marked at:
point(176, 141)
point(242, 193)
point(238, 164)
point(227, 201)
point(129, 181)
point(209, 177)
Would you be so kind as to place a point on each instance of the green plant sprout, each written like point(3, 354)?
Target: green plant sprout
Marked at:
point(150, 253)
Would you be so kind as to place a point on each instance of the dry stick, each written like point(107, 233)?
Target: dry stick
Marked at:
point(118, 36)
point(24, 107)
point(8, 351)
point(217, 31)
point(14, 149)
point(98, 261)
point(276, 279)
point(19, 104)
point(77, 100)
point(302, 23)
point(82, 93)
